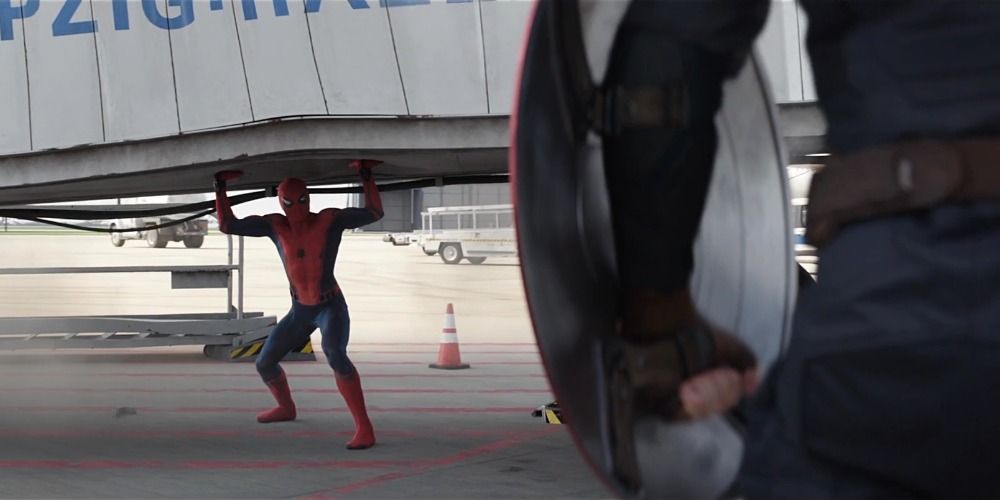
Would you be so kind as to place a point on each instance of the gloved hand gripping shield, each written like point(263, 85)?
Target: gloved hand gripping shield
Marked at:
point(618, 394)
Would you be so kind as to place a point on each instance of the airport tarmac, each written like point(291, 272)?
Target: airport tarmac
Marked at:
point(168, 422)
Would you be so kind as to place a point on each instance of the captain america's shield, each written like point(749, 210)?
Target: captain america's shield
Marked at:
point(745, 273)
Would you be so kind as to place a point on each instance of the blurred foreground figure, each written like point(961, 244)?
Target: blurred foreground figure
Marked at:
point(307, 243)
point(890, 387)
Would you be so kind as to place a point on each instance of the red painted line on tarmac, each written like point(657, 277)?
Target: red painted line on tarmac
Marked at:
point(367, 483)
point(237, 434)
point(203, 464)
point(291, 374)
point(83, 464)
point(507, 442)
point(365, 362)
point(278, 464)
point(464, 351)
point(230, 409)
point(263, 390)
point(431, 464)
point(472, 361)
point(418, 466)
point(428, 344)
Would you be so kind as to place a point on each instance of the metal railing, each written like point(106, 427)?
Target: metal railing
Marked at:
point(232, 327)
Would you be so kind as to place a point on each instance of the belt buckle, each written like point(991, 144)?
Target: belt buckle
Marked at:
point(928, 171)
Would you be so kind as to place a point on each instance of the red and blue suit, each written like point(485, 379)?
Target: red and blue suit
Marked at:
point(307, 243)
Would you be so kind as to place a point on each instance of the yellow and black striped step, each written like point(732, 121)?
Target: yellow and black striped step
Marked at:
point(249, 352)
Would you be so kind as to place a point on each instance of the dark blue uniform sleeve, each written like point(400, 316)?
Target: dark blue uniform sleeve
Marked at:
point(350, 218)
point(254, 225)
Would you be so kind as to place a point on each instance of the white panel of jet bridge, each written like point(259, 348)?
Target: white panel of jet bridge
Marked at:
point(63, 82)
point(356, 60)
point(440, 50)
point(502, 46)
point(209, 78)
point(278, 57)
point(15, 132)
point(104, 72)
point(80, 72)
point(174, 90)
point(137, 89)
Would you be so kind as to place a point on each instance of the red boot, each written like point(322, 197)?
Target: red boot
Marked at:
point(283, 395)
point(350, 387)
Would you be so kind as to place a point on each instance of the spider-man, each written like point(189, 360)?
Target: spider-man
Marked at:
point(307, 243)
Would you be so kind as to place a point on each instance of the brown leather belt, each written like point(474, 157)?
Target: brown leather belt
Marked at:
point(899, 178)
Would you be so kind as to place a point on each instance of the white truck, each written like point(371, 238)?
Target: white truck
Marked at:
point(192, 233)
point(472, 233)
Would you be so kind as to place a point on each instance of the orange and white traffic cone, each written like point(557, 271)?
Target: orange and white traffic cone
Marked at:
point(448, 356)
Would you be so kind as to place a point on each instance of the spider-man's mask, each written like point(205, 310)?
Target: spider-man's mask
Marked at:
point(294, 198)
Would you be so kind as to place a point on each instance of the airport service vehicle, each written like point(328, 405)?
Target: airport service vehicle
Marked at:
point(399, 239)
point(192, 233)
point(473, 233)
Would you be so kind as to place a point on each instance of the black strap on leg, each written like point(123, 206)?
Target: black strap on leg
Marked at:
point(608, 111)
point(616, 109)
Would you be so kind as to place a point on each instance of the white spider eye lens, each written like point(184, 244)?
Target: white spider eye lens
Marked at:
point(303, 198)
point(286, 202)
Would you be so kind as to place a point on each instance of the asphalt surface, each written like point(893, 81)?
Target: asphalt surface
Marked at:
point(169, 422)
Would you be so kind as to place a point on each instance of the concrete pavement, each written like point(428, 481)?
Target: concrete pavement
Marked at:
point(170, 423)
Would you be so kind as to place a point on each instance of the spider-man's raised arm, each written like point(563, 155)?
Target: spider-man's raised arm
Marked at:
point(254, 225)
point(350, 218)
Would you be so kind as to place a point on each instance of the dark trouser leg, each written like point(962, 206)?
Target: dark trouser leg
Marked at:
point(287, 335)
point(657, 181)
point(889, 387)
point(658, 178)
point(335, 324)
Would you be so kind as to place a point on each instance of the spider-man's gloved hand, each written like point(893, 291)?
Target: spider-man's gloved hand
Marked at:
point(364, 168)
point(226, 175)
